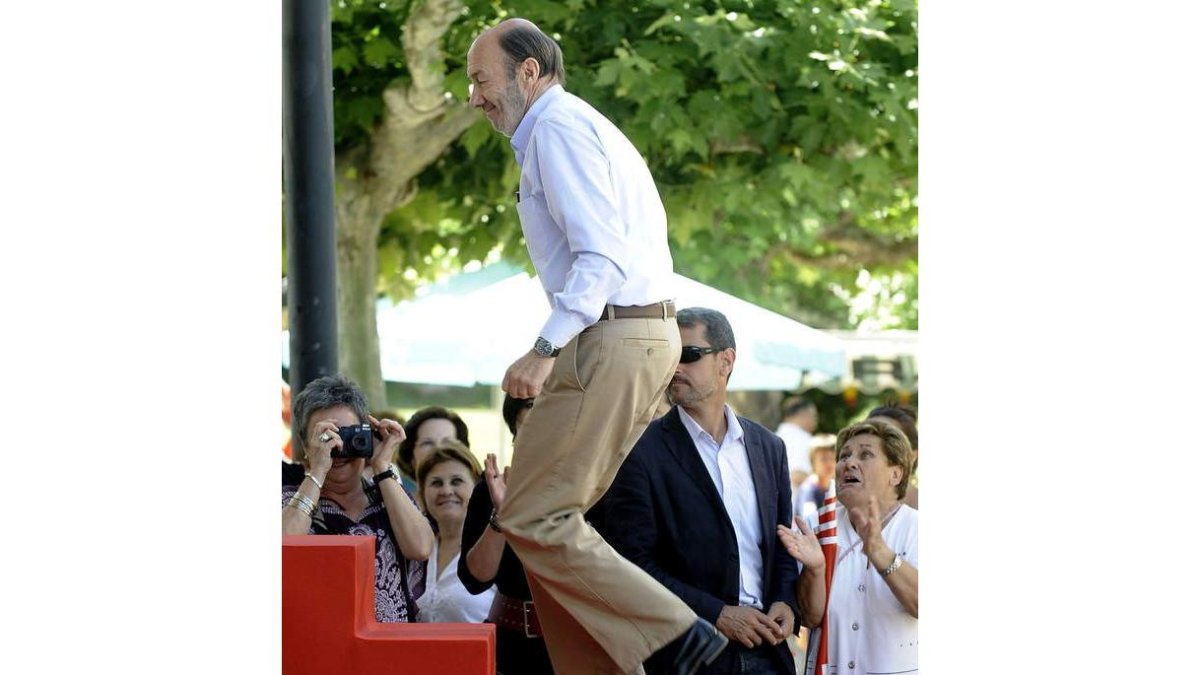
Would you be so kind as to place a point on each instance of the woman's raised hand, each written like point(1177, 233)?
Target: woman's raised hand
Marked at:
point(497, 482)
point(802, 546)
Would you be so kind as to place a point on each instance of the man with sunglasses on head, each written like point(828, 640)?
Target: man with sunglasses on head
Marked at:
point(697, 502)
point(597, 234)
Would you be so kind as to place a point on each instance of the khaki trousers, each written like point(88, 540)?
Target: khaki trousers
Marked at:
point(599, 612)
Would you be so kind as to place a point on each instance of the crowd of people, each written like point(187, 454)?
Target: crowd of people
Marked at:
point(708, 503)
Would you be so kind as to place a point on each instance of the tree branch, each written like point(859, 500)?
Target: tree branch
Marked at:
point(850, 245)
point(423, 31)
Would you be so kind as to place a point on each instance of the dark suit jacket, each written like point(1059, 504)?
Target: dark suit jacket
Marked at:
point(664, 514)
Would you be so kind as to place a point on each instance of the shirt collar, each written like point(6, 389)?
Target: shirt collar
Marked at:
point(732, 433)
point(520, 137)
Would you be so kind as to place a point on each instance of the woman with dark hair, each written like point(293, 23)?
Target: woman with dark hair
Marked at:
point(904, 417)
point(858, 583)
point(332, 497)
point(425, 429)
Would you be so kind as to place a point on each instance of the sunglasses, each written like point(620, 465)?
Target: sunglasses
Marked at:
point(691, 353)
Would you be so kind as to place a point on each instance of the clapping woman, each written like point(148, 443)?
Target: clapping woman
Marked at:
point(332, 497)
point(867, 615)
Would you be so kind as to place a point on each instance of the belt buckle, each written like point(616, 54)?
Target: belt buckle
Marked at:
point(525, 608)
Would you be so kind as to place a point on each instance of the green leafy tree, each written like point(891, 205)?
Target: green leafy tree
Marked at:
point(782, 136)
point(392, 119)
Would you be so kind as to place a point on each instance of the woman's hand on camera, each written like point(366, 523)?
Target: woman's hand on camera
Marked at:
point(389, 434)
point(318, 451)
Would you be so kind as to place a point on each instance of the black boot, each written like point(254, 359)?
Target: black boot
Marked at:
point(700, 645)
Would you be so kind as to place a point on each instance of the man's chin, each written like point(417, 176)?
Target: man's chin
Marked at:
point(499, 126)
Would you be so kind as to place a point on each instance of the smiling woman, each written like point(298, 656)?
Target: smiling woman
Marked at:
point(446, 477)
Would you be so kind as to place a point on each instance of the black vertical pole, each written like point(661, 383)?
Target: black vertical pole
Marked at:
point(308, 183)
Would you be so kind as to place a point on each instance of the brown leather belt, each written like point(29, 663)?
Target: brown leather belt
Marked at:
point(516, 615)
point(659, 310)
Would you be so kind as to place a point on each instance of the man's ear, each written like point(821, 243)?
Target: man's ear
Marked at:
point(530, 69)
point(728, 357)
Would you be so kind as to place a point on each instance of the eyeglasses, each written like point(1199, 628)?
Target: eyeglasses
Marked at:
point(691, 353)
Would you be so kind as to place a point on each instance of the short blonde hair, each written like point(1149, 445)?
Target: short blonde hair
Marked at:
point(895, 446)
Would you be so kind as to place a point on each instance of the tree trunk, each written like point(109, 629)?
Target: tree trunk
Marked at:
point(379, 177)
point(358, 270)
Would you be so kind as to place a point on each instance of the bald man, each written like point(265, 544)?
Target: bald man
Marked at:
point(597, 233)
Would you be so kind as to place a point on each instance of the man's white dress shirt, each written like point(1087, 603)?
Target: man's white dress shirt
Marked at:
point(728, 465)
point(593, 221)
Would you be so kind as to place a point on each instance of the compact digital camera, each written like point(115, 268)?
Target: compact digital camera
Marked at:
point(357, 441)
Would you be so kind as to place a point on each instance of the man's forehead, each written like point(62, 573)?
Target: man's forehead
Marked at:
point(696, 331)
point(482, 53)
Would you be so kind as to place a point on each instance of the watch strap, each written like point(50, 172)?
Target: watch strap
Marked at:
point(543, 347)
point(384, 475)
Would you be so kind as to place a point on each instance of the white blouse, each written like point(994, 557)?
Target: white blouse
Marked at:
point(869, 631)
point(447, 600)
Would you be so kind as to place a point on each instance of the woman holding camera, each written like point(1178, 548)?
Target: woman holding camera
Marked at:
point(333, 498)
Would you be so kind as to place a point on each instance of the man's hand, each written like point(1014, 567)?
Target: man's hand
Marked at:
point(525, 377)
point(749, 626)
point(782, 615)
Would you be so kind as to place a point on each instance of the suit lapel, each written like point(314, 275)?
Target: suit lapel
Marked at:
point(764, 487)
point(681, 447)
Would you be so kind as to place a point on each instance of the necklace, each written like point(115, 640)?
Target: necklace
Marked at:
point(888, 517)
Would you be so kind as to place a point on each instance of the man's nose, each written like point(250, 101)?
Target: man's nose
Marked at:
point(474, 100)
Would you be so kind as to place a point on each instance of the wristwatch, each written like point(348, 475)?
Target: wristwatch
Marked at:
point(542, 347)
point(493, 523)
point(384, 475)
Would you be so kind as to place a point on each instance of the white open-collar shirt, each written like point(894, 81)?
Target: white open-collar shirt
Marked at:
point(728, 465)
point(593, 221)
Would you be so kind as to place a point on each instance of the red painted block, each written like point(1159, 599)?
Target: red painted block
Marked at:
point(329, 619)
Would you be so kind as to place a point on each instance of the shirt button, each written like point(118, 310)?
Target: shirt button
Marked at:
point(854, 626)
point(851, 664)
point(861, 588)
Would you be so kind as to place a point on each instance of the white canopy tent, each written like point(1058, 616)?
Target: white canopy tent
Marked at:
point(451, 336)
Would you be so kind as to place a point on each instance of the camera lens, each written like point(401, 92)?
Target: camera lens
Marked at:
point(360, 443)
